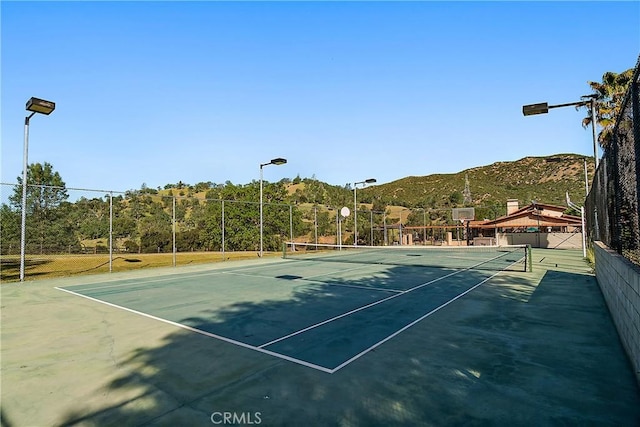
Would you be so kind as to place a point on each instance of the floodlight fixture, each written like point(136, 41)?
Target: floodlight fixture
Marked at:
point(41, 106)
point(532, 109)
point(590, 100)
point(279, 161)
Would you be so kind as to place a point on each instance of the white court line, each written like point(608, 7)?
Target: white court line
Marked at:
point(355, 310)
point(344, 285)
point(258, 276)
point(240, 273)
point(306, 279)
point(117, 283)
point(142, 281)
point(340, 271)
point(292, 359)
point(364, 307)
point(208, 334)
point(379, 343)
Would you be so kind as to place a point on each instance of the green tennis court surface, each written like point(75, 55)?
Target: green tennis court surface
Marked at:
point(318, 314)
point(294, 342)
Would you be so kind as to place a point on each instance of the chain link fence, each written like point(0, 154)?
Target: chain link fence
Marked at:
point(104, 230)
point(612, 203)
point(71, 231)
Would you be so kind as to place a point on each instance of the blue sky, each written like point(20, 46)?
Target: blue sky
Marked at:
point(158, 92)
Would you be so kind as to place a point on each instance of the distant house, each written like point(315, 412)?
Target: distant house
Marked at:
point(535, 217)
point(537, 224)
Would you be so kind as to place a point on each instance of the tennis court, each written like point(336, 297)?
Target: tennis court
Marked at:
point(320, 342)
point(327, 305)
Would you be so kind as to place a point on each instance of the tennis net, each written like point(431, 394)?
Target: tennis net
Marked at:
point(495, 258)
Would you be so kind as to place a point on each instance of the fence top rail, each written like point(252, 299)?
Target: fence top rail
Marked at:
point(65, 188)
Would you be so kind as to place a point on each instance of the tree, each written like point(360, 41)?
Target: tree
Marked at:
point(155, 230)
point(314, 190)
point(91, 217)
point(416, 218)
point(611, 92)
point(10, 226)
point(46, 221)
point(276, 216)
point(325, 223)
point(208, 218)
point(202, 186)
point(378, 204)
point(45, 189)
point(456, 198)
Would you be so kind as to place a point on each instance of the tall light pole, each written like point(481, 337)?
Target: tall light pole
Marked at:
point(277, 162)
point(355, 207)
point(35, 105)
point(543, 108)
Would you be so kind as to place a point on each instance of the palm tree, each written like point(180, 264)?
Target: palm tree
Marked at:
point(610, 96)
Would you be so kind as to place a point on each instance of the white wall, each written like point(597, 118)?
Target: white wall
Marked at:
point(619, 281)
point(542, 240)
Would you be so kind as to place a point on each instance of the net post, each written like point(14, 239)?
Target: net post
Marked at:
point(284, 250)
point(529, 260)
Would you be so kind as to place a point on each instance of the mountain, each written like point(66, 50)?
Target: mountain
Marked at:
point(544, 179)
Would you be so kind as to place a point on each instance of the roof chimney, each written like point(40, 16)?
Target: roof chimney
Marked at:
point(512, 206)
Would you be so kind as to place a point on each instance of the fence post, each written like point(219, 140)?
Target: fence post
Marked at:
point(424, 223)
point(173, 228)
point(291, 222)
point(222, 229)
point(584, 233)
point(110, 231)
point(384, 227)
point(338, 227)
point(315, 224)
point(371, 216)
